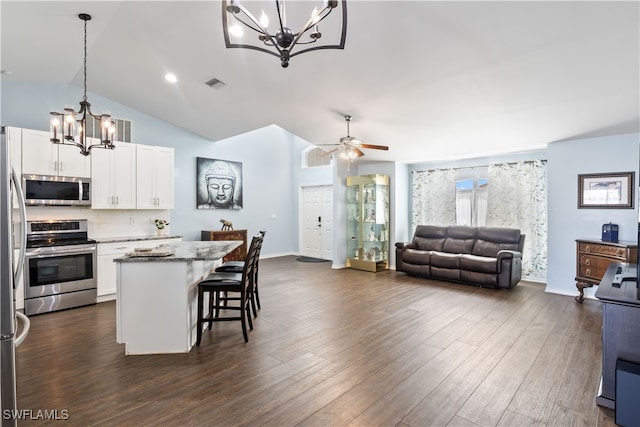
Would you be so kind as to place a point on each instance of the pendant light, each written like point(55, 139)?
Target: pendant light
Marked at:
point(281, 40)
point(70, 127)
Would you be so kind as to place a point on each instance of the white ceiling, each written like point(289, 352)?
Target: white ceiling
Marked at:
point(432, 80)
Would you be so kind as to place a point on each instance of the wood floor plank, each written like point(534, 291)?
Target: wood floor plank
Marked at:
point(345, 408)
point(448, 398)
point(489, 402)
point(394, 405)
point(536, 396)
point(333, 347)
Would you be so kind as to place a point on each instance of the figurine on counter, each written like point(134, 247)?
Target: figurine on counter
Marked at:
point(226, 225)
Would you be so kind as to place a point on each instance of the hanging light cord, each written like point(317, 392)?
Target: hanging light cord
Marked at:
point(84, 98)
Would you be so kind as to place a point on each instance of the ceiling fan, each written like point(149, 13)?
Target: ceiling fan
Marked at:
point(350, 147)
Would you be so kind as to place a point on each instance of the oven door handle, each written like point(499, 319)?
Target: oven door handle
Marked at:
point(48, 252)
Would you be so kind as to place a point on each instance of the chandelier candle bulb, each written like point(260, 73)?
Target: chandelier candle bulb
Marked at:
point(55, 123)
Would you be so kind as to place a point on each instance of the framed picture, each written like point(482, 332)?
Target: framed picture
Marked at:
point(218, 184)
point(606, 190)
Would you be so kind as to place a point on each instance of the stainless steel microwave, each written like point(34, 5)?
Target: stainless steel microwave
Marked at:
point(43, 190)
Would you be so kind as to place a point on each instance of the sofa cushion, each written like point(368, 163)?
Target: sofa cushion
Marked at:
point(417, 269)
point(460, 239)
point(498, 234)
point(457, 246)
point(491, 249)
point(415, 256)
point(429, 237)
point(427, 244)
point(494, 239)
point(479, 264)
point(445, 260)
point(431, 231)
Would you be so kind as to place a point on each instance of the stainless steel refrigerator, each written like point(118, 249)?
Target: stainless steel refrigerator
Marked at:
point(10, 271)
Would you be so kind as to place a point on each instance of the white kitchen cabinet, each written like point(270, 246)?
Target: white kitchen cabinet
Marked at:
point(154, 177)
point(107, 252)
point(107, 268)
point(113, 177)
point(42, 157)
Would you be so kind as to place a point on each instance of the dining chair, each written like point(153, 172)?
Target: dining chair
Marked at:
point(236, 283)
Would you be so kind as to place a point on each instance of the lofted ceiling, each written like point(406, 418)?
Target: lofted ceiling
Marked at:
point(432, 80)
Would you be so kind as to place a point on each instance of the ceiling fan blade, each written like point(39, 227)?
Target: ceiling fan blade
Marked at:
point(375, 147)
point(358, 152)
point(326, 153)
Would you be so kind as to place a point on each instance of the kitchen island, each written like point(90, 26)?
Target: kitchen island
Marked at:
point(156, 295)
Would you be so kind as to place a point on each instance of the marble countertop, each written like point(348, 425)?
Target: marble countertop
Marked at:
point(188, 251)
point(134, 238)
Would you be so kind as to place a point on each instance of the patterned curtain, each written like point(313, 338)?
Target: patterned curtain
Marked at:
point(481, 206)
point(434, 197)
point(518, 199)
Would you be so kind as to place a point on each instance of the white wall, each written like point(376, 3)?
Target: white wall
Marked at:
point(271, 163)
point(567, 223)
point(267, 155)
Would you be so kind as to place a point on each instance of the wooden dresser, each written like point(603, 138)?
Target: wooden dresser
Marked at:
point(594, 256)
point(239, 253)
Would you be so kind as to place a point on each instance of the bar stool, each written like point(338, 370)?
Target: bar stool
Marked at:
point(236, 267)
point(238, 283)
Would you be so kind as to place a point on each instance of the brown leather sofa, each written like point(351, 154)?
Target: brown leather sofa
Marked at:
point(484, 256)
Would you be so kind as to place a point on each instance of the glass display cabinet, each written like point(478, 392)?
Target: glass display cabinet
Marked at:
point(368, 222)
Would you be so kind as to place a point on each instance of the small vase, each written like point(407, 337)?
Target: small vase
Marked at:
point(162, 231)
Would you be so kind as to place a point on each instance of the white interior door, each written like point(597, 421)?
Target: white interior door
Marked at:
point(317, 221)
point(326, 223)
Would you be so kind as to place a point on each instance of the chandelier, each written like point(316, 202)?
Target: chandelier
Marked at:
point(70, 127)
point(284, 40)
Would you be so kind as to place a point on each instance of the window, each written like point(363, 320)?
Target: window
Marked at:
point(315, 156)
point(471, 201)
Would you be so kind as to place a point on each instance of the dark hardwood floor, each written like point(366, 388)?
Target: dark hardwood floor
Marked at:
point(333, 348)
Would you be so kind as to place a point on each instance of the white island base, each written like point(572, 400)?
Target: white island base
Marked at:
point(156, 302)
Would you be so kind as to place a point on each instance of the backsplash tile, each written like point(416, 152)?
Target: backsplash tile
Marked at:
point(103, 222)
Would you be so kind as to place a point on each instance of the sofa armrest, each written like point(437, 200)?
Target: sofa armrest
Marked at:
point(505, 257)
point(405, 245)
point(506, 254)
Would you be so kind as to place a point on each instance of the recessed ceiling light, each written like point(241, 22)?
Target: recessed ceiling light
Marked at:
point(171, 77)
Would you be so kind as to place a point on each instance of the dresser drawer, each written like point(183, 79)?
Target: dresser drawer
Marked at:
point(592, 266)
point(594, 256)
point(611, 251)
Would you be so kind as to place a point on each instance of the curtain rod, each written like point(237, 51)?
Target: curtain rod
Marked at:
point(481, 166)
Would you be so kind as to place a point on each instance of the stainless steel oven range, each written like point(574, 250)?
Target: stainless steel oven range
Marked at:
point(60, 266)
